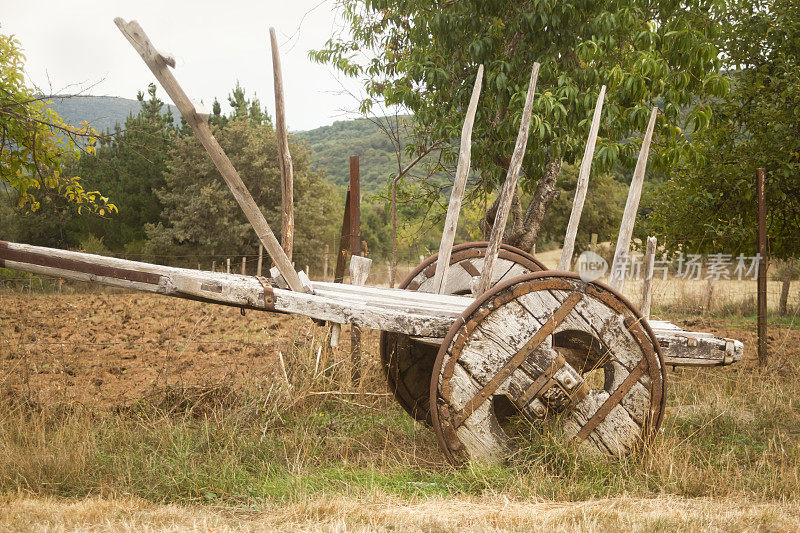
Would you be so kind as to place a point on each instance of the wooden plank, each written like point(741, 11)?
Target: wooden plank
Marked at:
point(159, 66)
point(459, 185)
point(631, 207)
point(583, 185)
point(647, 284)
point(284, 156)
point(509, 187)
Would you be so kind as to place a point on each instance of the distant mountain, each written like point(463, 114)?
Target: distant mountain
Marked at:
point(331, 146)
point(101, 112)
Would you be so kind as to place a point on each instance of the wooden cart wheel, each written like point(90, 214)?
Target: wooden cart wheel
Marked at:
point(574, 358)
point(408, 363)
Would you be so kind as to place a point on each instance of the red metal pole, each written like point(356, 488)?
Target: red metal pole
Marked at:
point(762, 266)
point(355, 208)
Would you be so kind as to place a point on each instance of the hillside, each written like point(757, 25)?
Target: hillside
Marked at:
point(331, 146)
point(101, 112)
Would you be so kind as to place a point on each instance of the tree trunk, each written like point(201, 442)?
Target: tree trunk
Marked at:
point(787, 280)
point(543, 196)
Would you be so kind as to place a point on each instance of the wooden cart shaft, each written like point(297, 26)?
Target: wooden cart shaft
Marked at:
point(427, 317)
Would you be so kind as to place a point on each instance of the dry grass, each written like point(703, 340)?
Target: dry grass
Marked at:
point(381, 512)
point(315, 453)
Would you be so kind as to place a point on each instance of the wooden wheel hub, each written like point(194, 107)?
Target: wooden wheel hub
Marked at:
point(565, 354)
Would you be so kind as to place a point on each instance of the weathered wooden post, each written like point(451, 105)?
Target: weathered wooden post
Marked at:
point(459, 185)
point(213, 266)
point(788, 270)
point(359, 271)
point(761, 238)
point(509, 187)
point(260, 260)
point(358, 266)
point(647, 283)
point(583, 185)
point(228, 265)
point(617, 279)
point(244, 265)
point(284, 157)
point(325, 259)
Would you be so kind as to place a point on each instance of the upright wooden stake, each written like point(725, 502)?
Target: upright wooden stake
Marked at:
point(647, 284)
point(228, 265)
point(761, 196)
point(788, 269)
point(213, 266)
point(509, 187)
point(260, 260)
point(617, 279)
point(359, 270)
point(244, 266)
point(583, 184)
point(325, 262)
point(159, 64)
point(284, 156)
point(355, 207)
point(459, 184)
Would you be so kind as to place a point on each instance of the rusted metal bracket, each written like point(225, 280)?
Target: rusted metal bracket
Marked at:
point(269, 294)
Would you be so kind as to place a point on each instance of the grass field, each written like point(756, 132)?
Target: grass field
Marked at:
point(139, 412)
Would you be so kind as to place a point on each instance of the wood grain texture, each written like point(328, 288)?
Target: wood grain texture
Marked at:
point(459, 185)
point(583, 185)
point(509, 186)
point(284, 156)
point(631, 208)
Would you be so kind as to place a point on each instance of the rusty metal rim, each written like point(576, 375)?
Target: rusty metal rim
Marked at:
point(463, 322)
point(460, 252)
point(525, 258)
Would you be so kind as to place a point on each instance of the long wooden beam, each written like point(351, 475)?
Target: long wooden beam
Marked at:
point(617, 278)
point(583, 185)
point(159, 64)
point(459, 185)
point(509, 187)
point(426, 317)
point(284, 156)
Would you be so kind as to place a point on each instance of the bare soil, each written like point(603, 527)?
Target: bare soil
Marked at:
point(111, 349)
point(107, 350)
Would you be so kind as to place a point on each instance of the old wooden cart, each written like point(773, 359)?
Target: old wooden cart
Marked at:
point(478, 333)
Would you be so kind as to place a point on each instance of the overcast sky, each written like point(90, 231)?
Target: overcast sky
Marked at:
point(74, 44)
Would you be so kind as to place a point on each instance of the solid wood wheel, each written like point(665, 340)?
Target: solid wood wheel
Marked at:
point(573, 358)
point(408, 363)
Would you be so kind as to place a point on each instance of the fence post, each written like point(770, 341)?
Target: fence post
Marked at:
point(244, 266)
point(359, 270)
point(213, 266)
point(787, 280)
point(647, 284)
point(325, 262)
point(260, 259)
point(762, 266)
point(228, 265)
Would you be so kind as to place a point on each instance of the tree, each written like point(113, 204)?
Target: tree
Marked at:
point(711, 206)
point(35, 142)
point(201, 217)
point(129, 166)
point(424, 56)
